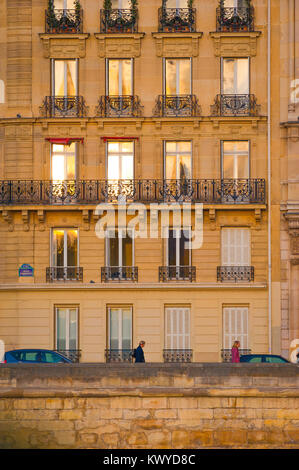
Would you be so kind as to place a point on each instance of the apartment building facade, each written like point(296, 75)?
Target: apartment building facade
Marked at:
point(160, 103)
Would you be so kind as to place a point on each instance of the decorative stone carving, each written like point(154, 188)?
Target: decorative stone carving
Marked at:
point(64, 46)
point(243, 44)
point(177, 44)
point(119, 45)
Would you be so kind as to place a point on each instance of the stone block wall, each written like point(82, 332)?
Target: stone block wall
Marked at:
point(149, 406)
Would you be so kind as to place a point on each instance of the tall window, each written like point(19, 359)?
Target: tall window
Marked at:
point(120, 250)
point(177, 252)
point(65, 251)
point(65, 77)
point(177, 328)
point(235, 159)
point(66, 328)
point(177, 77)
point(119, 77)
point(177, 160)
point(120, 162)
point(235, 3)
point(64, 4)
point(177, 4)
point(63, 162)
point(235, 76)
point(120, 328)
point(235, 327)
point(235, 247)
point(121, 4)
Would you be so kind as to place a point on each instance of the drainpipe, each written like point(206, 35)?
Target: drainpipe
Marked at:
point(269, 184)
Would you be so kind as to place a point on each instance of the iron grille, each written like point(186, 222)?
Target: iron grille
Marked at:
point(69, 273)
point(119, 273)
point(177, 105)
point(235, 19)
point(64, 106)
point(119, 106)
point(119, 21)
point(177, 355)
point(64, 21)
point(235, 273)
point(177, 20)
point(177, 273)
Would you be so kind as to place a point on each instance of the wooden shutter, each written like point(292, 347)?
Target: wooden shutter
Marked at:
point(235, 327)
point(177, 328)
point(235, 247)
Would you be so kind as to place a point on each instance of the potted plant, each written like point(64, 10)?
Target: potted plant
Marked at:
point(51, 17)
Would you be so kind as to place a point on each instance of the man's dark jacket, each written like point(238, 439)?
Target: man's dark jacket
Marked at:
point(139, 355)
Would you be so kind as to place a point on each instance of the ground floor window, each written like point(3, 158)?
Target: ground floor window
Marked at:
point(66, 328)
point(235, 327)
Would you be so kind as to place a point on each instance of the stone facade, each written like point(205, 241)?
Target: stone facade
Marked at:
point(149, 406)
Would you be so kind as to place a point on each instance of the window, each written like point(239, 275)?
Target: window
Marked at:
point(64, 4)
point(235, 3)
point(63, 162)
point(177, 328)
point(177, 77)
point(235, 247)
point(120, 328)
point(235, 76)
point(177, 253)
point(65, 253)
point(66, 328)
point(235, 327)
point(120, 77)
point(121, 4)
point(177, 4)
point(178, 160)
point(235, 159)
point(120, 160)
point(65, 77)
point(120, 250)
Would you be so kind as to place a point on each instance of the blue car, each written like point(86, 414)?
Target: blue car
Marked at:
point(263, 358)
point(35, 356)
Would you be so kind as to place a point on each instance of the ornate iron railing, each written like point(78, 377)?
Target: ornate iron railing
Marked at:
point(230, 191)
point(119, 355)
point(177, 273)
point(62, 273)
point(177, 355)
point(235, 273)
point(226, 354)
point(235, 19)
point(119, 106)
point(64, 106)
point(177, 105)
point(72, 354)
point(119, 21)
point(64, 21)
point(119, 273)
point(177, 20)
point(235, 105)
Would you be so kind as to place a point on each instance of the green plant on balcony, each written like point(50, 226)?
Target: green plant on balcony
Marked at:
point(51, 17)
point(120, 20)
point(78, 7)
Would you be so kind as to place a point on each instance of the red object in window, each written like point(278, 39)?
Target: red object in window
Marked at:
point(119, 138)
point(65, 141)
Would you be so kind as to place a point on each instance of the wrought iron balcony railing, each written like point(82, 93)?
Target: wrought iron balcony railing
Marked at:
point(235, 19)
point(72, 354)
point(177, 106)
point(119, 106)
point(119, 21)
point(177, 20)
point(225, 191)
point(64, 21)
point(226, 354)
point(177, 355)
point(235, 273)
point(235, 105)
point(64, 107)
point(177, 273)
point(119, 273)
point(61, 273)
point(119, 355)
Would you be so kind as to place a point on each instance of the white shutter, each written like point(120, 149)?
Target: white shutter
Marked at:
point(235, 327)
point(235, 247)
point(177, 328)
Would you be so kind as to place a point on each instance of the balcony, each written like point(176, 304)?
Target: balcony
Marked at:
point(235, 105)
point(177, 106)
point(209, 191)
point(119, 273)
point(72, 354)
point(64, 107)
point(118, 355)
point(119, 107)
point(177, 355)
point(235, 19)
point(177, 20)
point(119, 21)
point(60, 273)
point(235, 273)
point(226, 354)
point(177, 273)
point(64, 21)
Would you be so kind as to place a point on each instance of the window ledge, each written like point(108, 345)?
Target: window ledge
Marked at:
point(230, 44)
point(64, 46)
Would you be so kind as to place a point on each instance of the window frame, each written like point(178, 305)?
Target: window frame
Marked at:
point(120, 154)
point(120, 248)
point(52, 153)
point(122, 59)
point(65, 229)
point(120, 308)
point(165, 142)
point(230, 337)
point(68, 307)
point(222, 77)
point(177, 75)
point(234, 153)
point(249, 255)
point(178, 251)
point(53, 61)
point(170, 338)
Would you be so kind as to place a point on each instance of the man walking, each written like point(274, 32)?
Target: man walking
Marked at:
point(139, 354)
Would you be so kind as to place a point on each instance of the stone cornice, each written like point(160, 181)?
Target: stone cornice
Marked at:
point(177, 44)
point(119, 45)
point(64, 46)
point(231, 44)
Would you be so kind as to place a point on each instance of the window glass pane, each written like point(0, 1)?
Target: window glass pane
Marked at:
point(58, 167)
point(73, 328)
point(59, 78)
point(33, 356)
point(113, 77)
point(172, 261)
point(113, 147)
point(235, 162)
point(184, 79)
point(177, 3)
point(70, 173)
point(127, 167)
point(126, 328)
point(113, 167)
point(184, 147)
point(120, 77)
point(114, 329)
point(171, 147)
point(228, 79)
point(61, 329)
point(126, 77)
point(185, 167)
point(127, 251)
point(127, 147)
point(64, 4)
point(51, 358)
point(242, 77)
point(122, 4)
point(65, 78)
point(58, 247)
point(241, 170)
point(72, 247)
point(235, 78)
point(170, 71)
point(114, 251)
point(170, 167)
point(184, 252)
point(273, 360)
point(255, 359)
